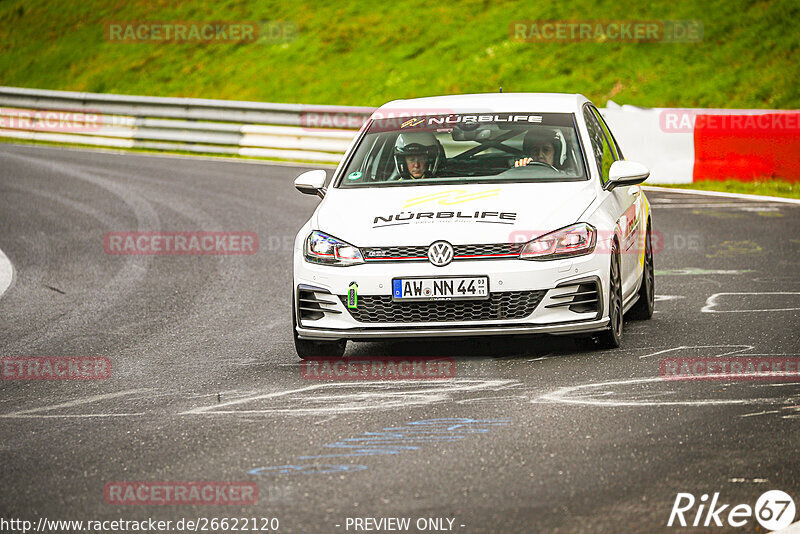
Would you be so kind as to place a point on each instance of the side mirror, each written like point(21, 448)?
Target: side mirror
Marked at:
point(311, 182)
point(626, 173)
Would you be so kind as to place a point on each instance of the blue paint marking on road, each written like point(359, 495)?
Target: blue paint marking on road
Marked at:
point(390, 440)
point(394, 440)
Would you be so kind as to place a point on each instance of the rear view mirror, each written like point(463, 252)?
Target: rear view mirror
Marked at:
point(626, 173)
point(311, 182)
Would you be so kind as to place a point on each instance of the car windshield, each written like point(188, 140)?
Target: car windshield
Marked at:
point(454, 148)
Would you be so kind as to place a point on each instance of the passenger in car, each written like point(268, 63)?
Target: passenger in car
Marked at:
point(541, 146)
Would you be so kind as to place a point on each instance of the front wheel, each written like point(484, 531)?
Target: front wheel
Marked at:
point(611, 338)
point(644, 307)
point(316, 349)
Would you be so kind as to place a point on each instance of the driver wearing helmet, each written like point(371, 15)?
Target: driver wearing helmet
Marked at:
point(417, 155)
point(541, 147)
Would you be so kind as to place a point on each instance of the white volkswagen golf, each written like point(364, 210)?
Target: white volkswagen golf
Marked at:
point(474, 215)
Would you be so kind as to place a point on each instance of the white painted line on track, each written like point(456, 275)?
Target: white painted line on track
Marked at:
point(327, 419)
point(335, 398)
point(71, 416)
point(759, 209)
point(740, 348)
point(6, 273)
point(662, 352)
point(744, 196)
point(492, 399)
point(206, 409)
point(711, 303)
point(695, 271)
point(567, 395)
point(765, 412)
point(664, 298)
point(34, 412)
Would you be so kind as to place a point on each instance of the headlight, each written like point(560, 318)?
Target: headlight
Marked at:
point(575, 240)
point(322, 248)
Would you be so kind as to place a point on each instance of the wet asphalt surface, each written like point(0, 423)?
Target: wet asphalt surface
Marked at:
point(532, 434)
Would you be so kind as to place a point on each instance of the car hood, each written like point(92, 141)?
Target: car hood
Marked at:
point(460, 214)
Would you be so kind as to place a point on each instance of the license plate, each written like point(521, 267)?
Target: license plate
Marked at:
point(444, 288)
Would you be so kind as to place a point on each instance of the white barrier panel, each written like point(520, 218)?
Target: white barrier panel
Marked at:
point(676, 150)
point(668, 155)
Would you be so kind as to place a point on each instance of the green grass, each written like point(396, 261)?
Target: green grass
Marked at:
point(769, 187)
point(367, 53)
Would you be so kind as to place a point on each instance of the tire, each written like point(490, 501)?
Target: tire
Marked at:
point(611, 338)
point(644, 307)
point(315, 349)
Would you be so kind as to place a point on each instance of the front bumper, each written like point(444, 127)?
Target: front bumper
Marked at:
point(555, 279)
point(374, 333)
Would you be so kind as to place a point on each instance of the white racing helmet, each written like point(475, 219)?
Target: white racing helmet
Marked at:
point(415, 144)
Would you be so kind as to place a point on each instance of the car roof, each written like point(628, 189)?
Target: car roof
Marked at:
point(490, 103)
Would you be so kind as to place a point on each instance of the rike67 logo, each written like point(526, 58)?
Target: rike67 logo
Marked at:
point(774, 510)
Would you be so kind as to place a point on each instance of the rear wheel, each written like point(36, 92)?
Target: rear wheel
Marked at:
point(316, 349)
point(643, 309)
point(611, 338)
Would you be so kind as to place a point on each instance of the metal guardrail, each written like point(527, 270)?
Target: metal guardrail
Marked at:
point(663, 139)
point(268, 130)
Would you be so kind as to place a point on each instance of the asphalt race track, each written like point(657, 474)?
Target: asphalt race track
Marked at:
point(533, 434)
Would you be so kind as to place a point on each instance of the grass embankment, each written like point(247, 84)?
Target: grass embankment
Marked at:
point(365, 53)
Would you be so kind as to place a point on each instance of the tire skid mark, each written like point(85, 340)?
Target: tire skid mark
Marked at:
point(123, 281)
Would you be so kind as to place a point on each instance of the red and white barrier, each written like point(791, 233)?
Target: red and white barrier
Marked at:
point(686, 145)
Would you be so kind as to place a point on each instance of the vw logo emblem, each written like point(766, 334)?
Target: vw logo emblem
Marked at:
point(440, 253)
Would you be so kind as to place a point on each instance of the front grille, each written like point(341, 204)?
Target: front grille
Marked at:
point(462, 252)
point(394, 253)
point(487, 250)
point(499, 306)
